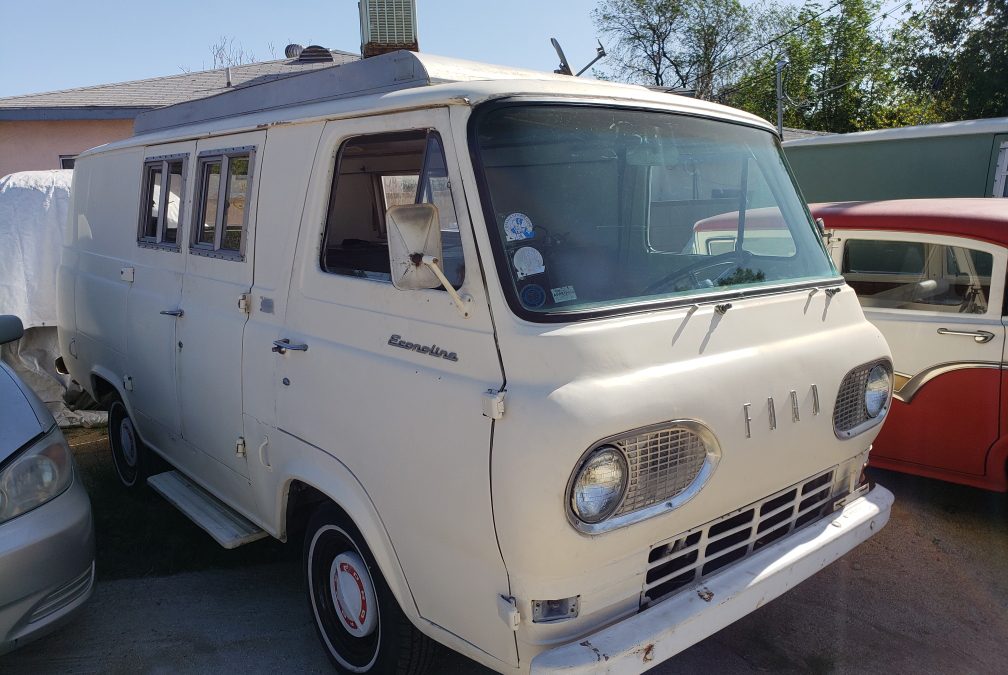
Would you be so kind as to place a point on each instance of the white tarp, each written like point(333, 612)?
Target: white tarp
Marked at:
point(33, 209)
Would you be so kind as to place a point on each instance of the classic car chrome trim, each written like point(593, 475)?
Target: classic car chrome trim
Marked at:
point(914, 383)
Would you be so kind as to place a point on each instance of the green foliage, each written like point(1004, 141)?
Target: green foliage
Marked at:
point(852, 65)
point(953, 58)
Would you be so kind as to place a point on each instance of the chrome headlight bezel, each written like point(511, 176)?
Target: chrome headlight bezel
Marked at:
point(711, 458)
point(851, 416)
point(35, 475)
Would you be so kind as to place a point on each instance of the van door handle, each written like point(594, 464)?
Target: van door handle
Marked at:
point(980, 336)
point(281, 346)
point(172, 312)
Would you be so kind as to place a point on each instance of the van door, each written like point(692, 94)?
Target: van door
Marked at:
point(218, 276)
point(155, 296)
point(937, 300)
point(390, 382)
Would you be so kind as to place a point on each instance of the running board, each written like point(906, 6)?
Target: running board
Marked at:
point(228, 527)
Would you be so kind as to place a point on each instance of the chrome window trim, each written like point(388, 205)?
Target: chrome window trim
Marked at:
point(914, 384)
point(871, 421)
point(707, 437)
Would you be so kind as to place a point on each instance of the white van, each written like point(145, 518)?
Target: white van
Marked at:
point(436, 315)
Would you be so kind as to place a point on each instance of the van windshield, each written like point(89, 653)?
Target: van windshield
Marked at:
point(594, 208)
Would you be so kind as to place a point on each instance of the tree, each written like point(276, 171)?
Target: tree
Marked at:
point(839, 77)
point(690, 44)
point(642, 39)
point(953, 58)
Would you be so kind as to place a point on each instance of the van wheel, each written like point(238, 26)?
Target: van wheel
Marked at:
point(129, 455)
point(356, 616)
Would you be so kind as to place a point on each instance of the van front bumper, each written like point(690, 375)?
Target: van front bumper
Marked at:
point(662, 631)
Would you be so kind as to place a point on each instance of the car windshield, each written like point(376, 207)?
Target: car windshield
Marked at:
point(594, 207)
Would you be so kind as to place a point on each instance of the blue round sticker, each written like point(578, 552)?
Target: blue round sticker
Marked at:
point(533, 295)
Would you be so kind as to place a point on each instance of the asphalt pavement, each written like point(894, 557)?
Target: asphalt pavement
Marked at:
point(929, 593)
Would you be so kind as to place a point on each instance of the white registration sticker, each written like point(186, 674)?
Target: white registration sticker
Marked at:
point(563, 294)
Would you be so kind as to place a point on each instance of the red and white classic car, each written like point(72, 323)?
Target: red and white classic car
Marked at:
point(930, 274)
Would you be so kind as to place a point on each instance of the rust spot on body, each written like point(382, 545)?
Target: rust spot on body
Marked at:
point(705, 594)
point(649, 653)
point(598, 654)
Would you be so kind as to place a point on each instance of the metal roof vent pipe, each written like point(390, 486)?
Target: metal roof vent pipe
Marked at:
point(387, 26)
point(293, 50)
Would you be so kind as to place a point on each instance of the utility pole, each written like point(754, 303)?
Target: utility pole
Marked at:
point(781, 65)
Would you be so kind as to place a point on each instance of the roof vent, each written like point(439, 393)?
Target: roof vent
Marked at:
point(314, 54)
point(292, 51)
point(387, 26)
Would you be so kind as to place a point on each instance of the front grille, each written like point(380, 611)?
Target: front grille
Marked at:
point(849, 413)
point(663, 463)
point(694, 555)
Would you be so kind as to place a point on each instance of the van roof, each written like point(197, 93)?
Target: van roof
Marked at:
point(978, 218)
point(398, 80)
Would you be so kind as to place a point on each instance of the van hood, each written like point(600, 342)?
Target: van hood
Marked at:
point(23, 416)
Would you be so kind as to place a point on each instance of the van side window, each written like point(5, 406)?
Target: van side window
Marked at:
point(221, 219)
point(373, 174)
point(918, 275)
point(161, 205)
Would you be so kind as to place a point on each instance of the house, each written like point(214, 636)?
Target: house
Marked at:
point(47, 130)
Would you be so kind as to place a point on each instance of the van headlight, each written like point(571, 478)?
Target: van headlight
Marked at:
point(876, 393)
point(599, 485)
point(38, 474)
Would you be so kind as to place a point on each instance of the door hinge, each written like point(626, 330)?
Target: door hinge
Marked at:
point(245, 303)
point(507, 607)
point(240, 446)
point(493, 404)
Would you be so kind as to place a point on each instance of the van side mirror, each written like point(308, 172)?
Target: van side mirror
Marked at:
point(414, 238)
point(414, 232)
point(11, 328)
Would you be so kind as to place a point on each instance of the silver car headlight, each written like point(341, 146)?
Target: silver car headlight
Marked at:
point(599, 485)
point(38, 474)
point(876, 393)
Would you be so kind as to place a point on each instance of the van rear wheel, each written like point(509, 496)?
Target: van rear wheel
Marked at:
point(357, 618)
point(129, 454)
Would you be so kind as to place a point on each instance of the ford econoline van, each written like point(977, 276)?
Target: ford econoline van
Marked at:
point(442, 320)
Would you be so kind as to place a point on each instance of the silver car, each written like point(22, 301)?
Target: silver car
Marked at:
point(46, 531)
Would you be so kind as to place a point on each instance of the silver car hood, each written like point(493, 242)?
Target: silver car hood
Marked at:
point(22, 415)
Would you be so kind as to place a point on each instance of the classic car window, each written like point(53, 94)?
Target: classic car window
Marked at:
point(918, 275)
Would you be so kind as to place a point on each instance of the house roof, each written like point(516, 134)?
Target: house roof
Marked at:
point(124, 100)
point(985, 219)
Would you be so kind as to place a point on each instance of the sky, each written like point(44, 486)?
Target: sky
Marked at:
point(60, 44)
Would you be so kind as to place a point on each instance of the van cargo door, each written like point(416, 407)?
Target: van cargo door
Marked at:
point(218, 276)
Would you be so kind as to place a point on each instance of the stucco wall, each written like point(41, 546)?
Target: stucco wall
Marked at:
point(26, 146)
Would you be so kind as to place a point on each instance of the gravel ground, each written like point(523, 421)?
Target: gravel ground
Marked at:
point(929, 593)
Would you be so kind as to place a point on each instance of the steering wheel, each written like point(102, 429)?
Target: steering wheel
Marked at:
point(737, 258)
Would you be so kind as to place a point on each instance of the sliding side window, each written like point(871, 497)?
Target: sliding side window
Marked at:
point(161, 205)
point(373, 174)
point(221, 204)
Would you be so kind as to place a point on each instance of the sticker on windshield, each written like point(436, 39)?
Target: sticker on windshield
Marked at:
point(528, 261)
point(518, 226)
point(533, 296)
point(563, 294)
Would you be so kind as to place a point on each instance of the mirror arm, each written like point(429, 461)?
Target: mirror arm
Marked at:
point(435, 267)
